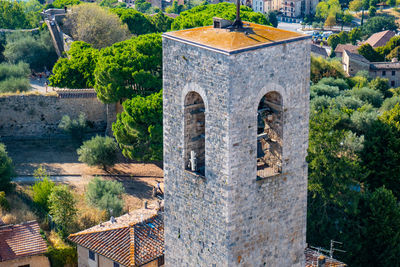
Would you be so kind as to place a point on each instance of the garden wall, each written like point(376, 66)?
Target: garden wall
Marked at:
point(25, 116)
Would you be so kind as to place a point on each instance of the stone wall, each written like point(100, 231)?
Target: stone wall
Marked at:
point(33, 261)
point(227, 217)
point(24, 116)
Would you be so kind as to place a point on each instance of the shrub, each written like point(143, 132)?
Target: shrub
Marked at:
point(76, 127)
point(42, 188)
point(14, 85)
point(349, 102)
point(381, 85)
point(368, 95)
point(62, 208)
point(6, 169)
point(14, 77)
point(4, 205)
point(323, 89)
point(341, 83)
point(98, 151)
point(363, 118)
point(320, 102)
point(389, 103)
point(106, 195)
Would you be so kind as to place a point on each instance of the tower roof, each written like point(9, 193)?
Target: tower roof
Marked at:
point(228, 41)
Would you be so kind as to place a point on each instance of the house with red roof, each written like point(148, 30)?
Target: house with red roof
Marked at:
point(133, 239)
point(380, 38)
point(21, 245)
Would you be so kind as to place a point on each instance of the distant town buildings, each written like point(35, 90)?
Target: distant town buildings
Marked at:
point(21, 245)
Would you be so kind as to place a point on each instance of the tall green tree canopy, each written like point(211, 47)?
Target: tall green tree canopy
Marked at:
point(138, 128)
point(379, 23)
point(36, 50)
point(137, 22)
point(12, 15)
point(129, 68)
point(6, 169)
point(202, 15)
point(77, 70)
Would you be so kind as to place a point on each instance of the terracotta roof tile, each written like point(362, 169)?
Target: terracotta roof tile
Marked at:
point(133, 240)
point(349, 47)
point(21, 240)
point(380, 38)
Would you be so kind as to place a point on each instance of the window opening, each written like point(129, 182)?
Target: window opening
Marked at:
point(194, 133)
point(269, 135)
point(91, 255)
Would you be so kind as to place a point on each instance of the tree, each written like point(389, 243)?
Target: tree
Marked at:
point(12, 15)
point(344, 37)
point(38, 51)
point(142, 6)
point(6, 169)
point(14, 77)
point(65, 3)
point(334, 171)
point(271, 18)
point(161, 22)
point(333, 41)
point(106, 195)
point(378, 24)
point(175, 8)
point(98, 151)
point(203, 15)
point(77, 70)
point(138, 128)
point(355, 5)
point(381, 85)
point(321, 68)
point(368, 95)
point(137, 22)
point(76, 128)
point(42, 188)
point(355, 35)
point(95, 25)
point(62, 208)
point(377, 242)
point(129, 68)
point(371, 11)
point(369, 53)
point(381, 153)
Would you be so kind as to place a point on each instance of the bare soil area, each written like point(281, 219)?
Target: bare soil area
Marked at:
point(59, 158)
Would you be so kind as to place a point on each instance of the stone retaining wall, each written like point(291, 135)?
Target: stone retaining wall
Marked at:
point(24, 116)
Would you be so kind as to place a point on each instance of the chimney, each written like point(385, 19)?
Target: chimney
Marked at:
point(112, 219)
point(321, 261)
point(221, 23)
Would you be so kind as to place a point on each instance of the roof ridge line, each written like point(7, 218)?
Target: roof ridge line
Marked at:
point(98, 231)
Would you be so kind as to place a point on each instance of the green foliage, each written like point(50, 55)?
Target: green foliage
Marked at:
point(379, 23)
point(67, 3)
point(4, 205)
point(381, 153)
point(271, 18)
point(355, 35)
point(106, 195)
point(368, 95)
point(202, 15)
point(328, 9)
point(333, 41)
point(340, 83)
point(42, 188)
point(372, 11)
point(76, 71)
point(381, 85)
point(109, 3)
point(137, 22)
point(377, 237)
point(142, 6)
point(395, 53)
point(321, 68)
point(138, 128)
point(38, 51)
point(95, 25)
point(319, 103)
point(369, 53)
point(6, 169)
point(363, 118)
point(12, 15)
point(332, 169)
point(161, 23)
point(76, 127)
point(63, 256)
point(129, 68)
point(175, 8)
point(355, 5)
point(62, 208)
point(98, 151)
point(323, 89)
point(389, 103)
point(344, 37)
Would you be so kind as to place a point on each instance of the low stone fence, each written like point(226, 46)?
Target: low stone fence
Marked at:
point(31, 115)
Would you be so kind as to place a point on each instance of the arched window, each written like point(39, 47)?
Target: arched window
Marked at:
point(194, 133)
point(269, 135)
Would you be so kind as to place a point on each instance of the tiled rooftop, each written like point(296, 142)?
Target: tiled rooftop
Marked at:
point(132, 240)
point(226, 40)
point(380, 38)
point(21, 240)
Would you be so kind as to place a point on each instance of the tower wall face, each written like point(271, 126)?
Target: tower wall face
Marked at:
point(228, 217)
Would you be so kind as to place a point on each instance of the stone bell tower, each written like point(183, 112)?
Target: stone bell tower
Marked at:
point(236, 103)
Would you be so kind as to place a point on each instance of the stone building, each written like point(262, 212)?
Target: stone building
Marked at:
point(236, 106)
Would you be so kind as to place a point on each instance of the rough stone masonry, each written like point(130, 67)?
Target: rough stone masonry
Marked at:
point(228, 217)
